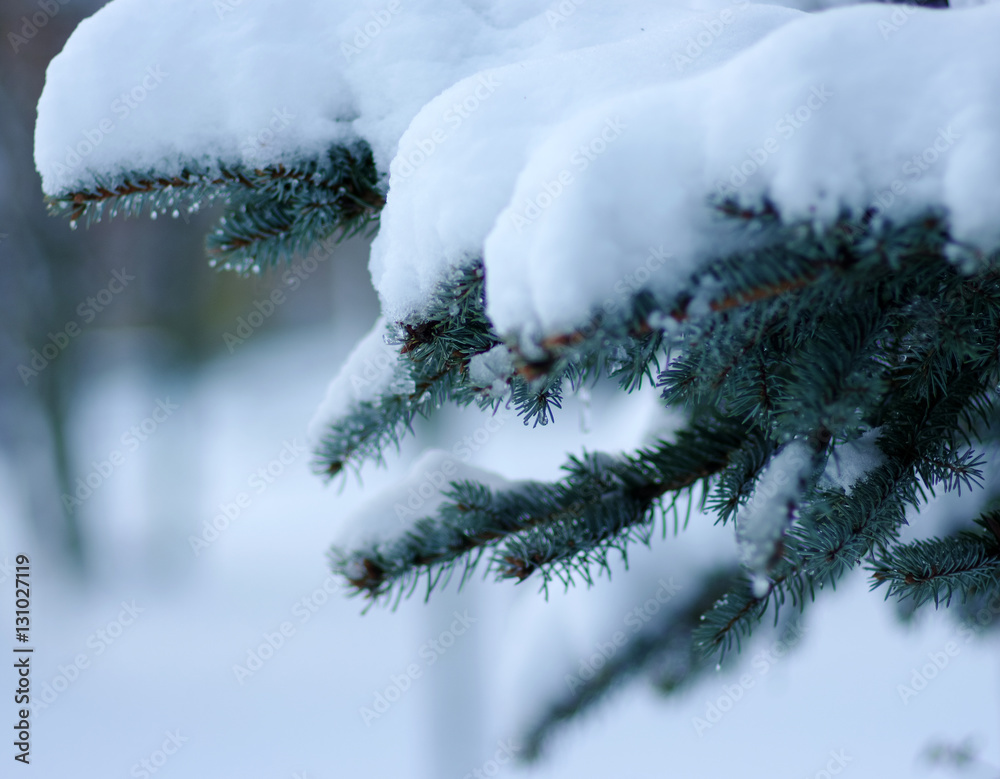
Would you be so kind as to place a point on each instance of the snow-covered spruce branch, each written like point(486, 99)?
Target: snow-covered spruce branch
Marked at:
point(755, 301)
point(749, 295)
point(834, 373)
point(936, 570)
point(452, 354)
point(405, 370)
point(837, 528)
point(271, 211)
point(552, 528)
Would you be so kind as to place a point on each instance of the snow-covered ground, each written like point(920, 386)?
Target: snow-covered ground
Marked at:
point(153, 658)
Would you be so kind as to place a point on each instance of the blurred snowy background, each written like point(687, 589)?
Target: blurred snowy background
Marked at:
point(240, 656)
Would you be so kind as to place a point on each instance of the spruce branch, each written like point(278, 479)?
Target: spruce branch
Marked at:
point(437, 347)
point(838, 530)
point(271, 212)
point(431, 368)
point(966, 564)
point(556, 529)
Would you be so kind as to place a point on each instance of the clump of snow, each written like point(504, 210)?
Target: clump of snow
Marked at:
point(492, 370)
point(558, 169)
point(372, 371)
point(463, 158)
point(898, 131)
point(853, 461)
point(762, 521)
point(168, 83)
point(394, 511)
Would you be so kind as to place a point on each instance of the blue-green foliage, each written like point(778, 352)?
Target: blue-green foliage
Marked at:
point(820, 336)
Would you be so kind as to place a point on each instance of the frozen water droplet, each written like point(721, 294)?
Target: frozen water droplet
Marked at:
point(718, 666)
point(175, 213)
point(72, 225)
point(152, 214)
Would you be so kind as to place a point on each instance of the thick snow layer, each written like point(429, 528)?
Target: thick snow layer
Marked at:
point(164, 83)
point(896, 130)
point(462, 161)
